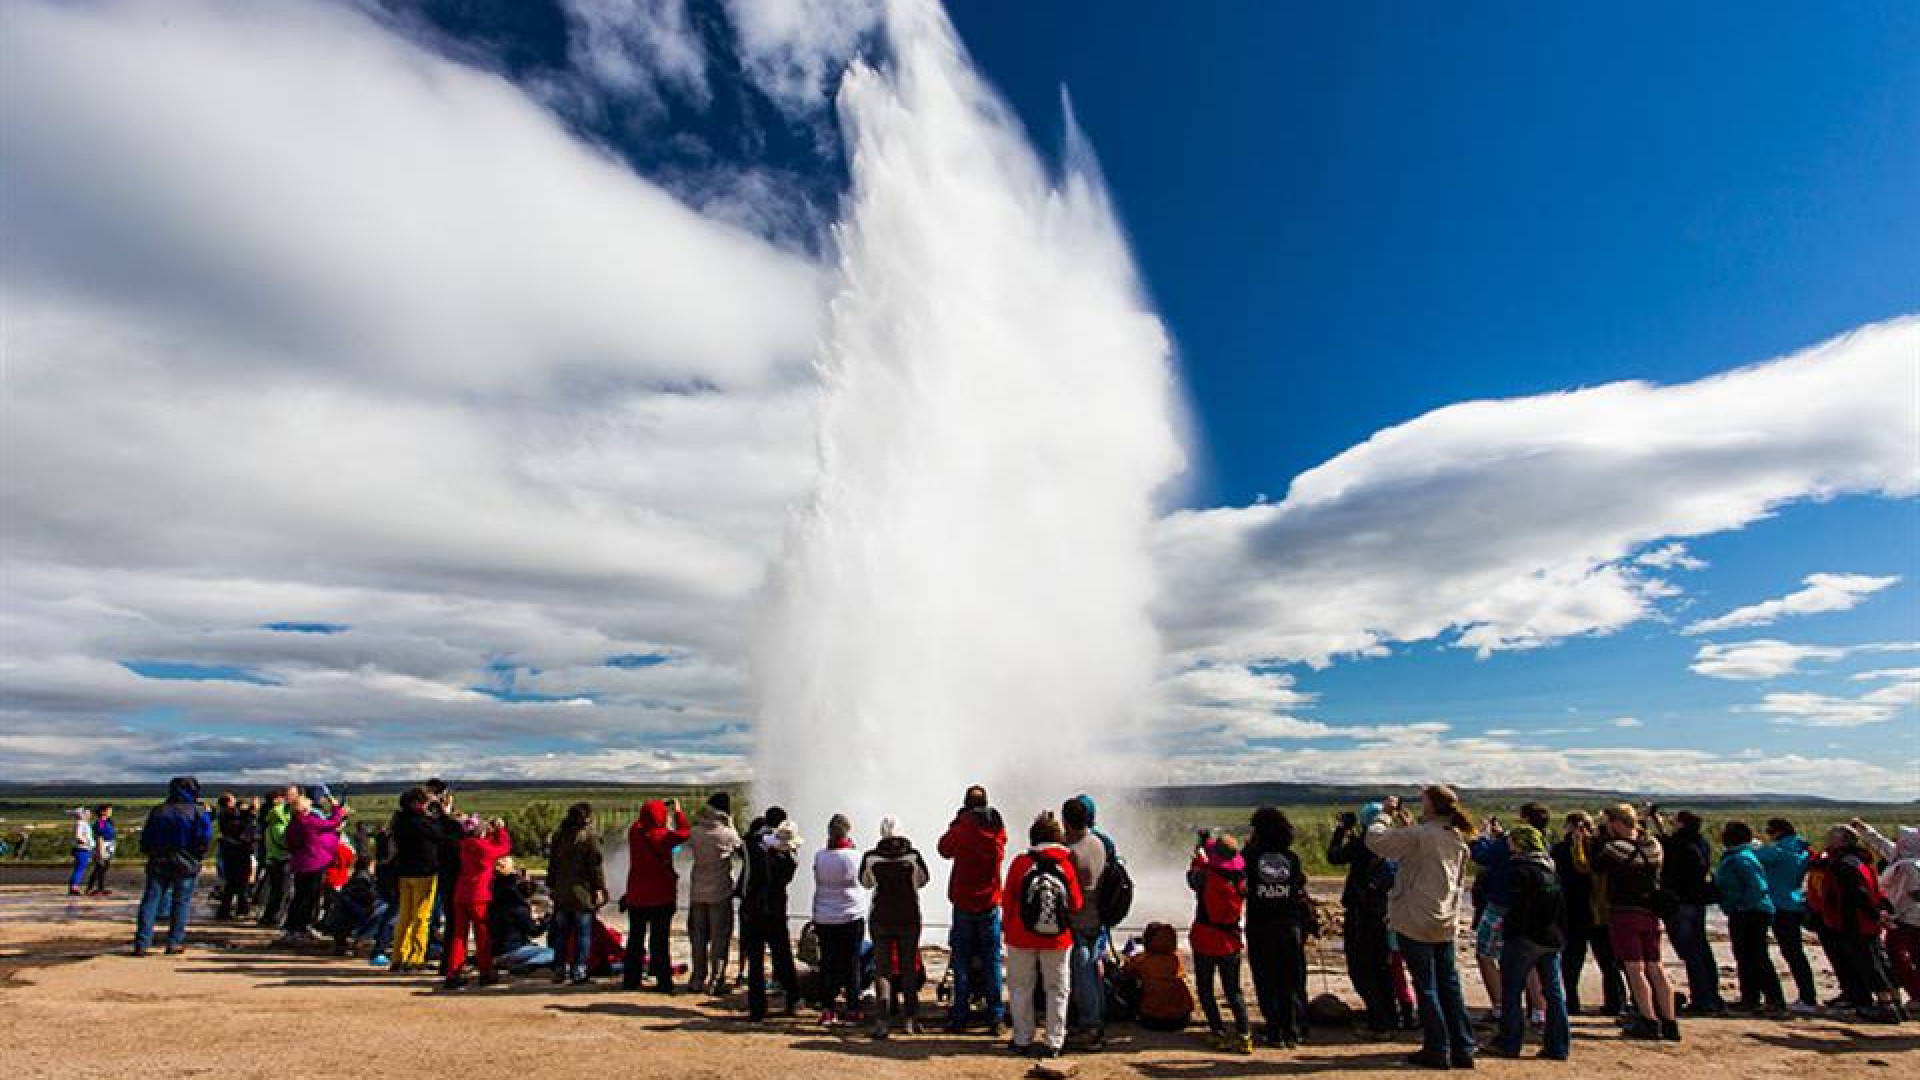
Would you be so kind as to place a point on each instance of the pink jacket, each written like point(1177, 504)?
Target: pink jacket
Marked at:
point(312, 840)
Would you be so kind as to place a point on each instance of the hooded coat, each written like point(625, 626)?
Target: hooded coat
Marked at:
point(896, 873)
point(715, 844)
point(1742, 881)
point(178, 826)
point(576, 871)
point(1538, 910)
point(1218, 879)
point(1901, 878)
point(273, 829)
point(652, 881)
point(772, 862)
point(977, 844)
point(1846, 893)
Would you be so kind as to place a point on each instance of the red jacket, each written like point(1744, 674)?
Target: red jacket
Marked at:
point(1221, 887)
point(341, 869)
point(651, 879)
point(1845, 893)
point(477, 856)
point(1015, 931)
point(976, 842)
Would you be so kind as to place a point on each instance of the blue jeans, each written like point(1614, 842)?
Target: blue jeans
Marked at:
point(1089, 993)
point(174, 896)
point(1687, 928)
point(976, 936)
point(1520, 958)
point(81, 858)
point(571, 938)
point(1436, 989)
point(525, 957)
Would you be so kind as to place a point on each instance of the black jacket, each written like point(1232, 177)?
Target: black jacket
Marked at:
point(1687, 868)
point(1276, 886)
point(1369, 877)
point(510, 918)
point(237, 834)
point(416, 844)
point(1539, 911)
point(763, 890)
point(1575, 887)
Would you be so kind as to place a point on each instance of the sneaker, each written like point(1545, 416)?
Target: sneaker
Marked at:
point(579, 978)
point(1019, 1049)
point(1669, 1031)
point(879, 1031)
point(1427, 1059)
point(1240, 1044)
point(1640, 1028)
point(491, 978)
point(454, 982)
point(379, 960)
point(1804, 1008)
point(829, 1018)
point(176, 950)
point(139, 950)
point(1460, 1061)
point(1538, 1019)
point(1216, 1039)
point(1046, 1052)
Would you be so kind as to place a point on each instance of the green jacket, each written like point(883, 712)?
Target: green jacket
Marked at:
point(277, 817)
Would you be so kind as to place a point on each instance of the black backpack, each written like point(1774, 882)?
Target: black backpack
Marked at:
point(1113, 894)
point(1045, 901)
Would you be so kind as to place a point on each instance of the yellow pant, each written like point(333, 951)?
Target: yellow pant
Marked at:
point(410, 929)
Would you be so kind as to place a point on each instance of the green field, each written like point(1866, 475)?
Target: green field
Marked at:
point(1172, 815)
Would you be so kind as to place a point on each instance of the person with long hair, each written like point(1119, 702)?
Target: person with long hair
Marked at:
point(1784, 857)
point(1741, 881)
point(1423, 910)
point(1586, 921)
point(1041, 896)
point(1279, 921)
point(577, 881)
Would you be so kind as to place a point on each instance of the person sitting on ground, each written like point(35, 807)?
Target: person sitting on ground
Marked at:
point(896, 873)
point(653, 892)
point(175, 841)
point(976, 843)
point(716, 847)
point(106, 843)
point(1166, 1001)
point(486, 843)
point(512, 924)
point(357, 910)
point(1280, 919)
point(577, 881)
point(1534, 935)
point(772, 846)
point(1218, 878)
point(840, 922)
point(1041, 896)
point(1628, 862)
point(1422, 911)
point(1741, 881)
point(1364, 935)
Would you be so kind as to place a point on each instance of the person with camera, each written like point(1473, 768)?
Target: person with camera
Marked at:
point(313, 839)
point(1686, 875)
point(1627, 861)
point(773, 847)
point(1423, 911)
point(653, 892)
point(1092, 851)
point(1586, 920)
point(1363, 897)
point(976, 844)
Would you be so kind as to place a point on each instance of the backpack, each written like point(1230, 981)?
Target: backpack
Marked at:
point(1113, 895)
point(1044, 898)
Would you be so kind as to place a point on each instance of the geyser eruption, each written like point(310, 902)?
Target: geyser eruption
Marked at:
point(966, 598)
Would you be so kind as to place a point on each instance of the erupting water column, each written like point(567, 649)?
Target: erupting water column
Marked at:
point(966, 597)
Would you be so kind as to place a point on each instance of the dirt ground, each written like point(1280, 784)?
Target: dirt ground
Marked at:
point(74, 1004)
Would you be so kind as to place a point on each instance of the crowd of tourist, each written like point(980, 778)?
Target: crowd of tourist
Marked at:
point(1033, 953)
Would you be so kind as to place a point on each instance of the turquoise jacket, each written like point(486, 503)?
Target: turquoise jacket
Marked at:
point(1743, 882)
point(1785, 861)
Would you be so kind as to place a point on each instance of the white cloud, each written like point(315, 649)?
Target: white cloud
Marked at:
point(1823, 593)
point(1876, 706)
point(1763, 659)
point(638, 48)
point(1627, 722)
point(1513, 523)
point(1670, 557)
point(1907, 674)
point(796, 50)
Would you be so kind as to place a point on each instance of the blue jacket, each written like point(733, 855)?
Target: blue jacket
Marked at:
point(1495, 859)
point(178, 824)
point(1743, 882)
point(1785, 862)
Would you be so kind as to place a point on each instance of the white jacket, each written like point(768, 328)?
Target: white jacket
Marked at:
point(838, 897)
point(1425, 902)
point(1901, 879)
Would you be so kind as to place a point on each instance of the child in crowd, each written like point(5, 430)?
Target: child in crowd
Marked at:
point(1218, 878)
point(1166, 1001)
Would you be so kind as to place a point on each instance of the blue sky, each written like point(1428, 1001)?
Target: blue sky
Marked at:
point(485, 403)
